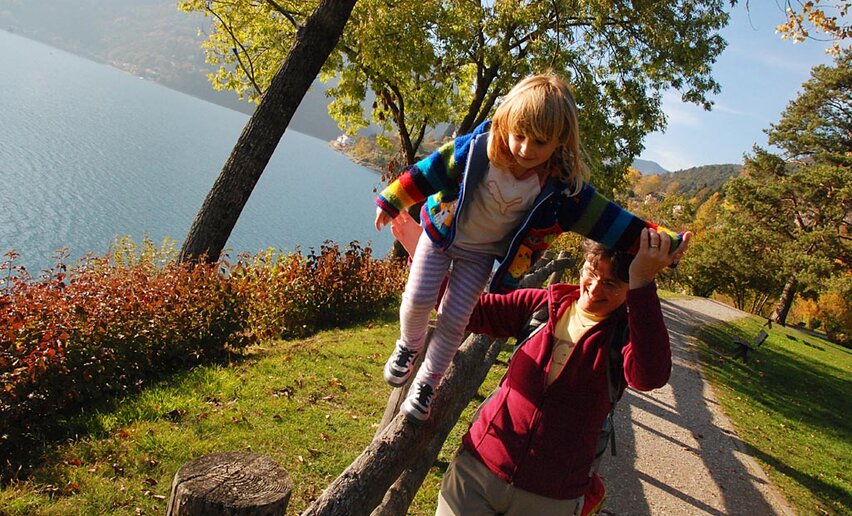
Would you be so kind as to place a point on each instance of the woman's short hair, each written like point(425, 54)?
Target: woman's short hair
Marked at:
point(594, 252)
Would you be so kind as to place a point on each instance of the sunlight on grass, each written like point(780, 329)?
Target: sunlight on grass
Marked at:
point(312, 405)
point(790, 404)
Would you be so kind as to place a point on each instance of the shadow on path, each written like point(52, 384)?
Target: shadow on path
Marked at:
point(677, 454)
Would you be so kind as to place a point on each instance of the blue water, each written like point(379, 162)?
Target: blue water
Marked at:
point(88, 153)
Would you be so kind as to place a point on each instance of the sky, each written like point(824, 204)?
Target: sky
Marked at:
point(759, 74)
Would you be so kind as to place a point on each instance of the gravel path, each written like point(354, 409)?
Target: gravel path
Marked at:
point(677, 452)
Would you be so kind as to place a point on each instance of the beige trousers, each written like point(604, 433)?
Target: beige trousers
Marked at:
point(469, 488)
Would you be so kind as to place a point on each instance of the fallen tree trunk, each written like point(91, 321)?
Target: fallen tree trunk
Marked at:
point(361, 487)
point(399, 496)
point(402, 492)
point(364, 484)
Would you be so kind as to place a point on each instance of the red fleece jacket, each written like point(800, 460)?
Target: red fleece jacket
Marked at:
point(542, 438)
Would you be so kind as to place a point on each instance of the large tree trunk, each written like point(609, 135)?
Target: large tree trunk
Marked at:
point(361, 487)
point(785, 301)
point(402, 492)
point(223, 205)
point(483, 82)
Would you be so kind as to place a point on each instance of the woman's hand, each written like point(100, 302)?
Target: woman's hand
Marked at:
point(382, 218)
point(653, 256)
point(407, 231)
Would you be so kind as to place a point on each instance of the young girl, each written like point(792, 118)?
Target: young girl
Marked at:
point(502, 194)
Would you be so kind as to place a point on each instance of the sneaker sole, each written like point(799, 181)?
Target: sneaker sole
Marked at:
point(393, 380)
point(412, 413)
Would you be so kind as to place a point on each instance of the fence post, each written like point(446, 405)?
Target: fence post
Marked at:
point(232, 484)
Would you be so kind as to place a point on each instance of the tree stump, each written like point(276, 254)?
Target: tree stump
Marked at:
point(232, 484)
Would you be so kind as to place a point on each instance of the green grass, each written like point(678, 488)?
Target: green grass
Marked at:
point(312, 405)
point(792, 405)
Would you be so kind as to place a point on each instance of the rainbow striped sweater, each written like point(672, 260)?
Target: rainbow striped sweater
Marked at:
point(442, 178)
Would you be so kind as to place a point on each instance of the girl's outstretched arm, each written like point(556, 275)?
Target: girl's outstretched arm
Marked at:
point(594, 216)
point(438, 172)
point(382, 218)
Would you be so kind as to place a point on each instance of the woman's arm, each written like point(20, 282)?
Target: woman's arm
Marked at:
point(504, 315)
point(647, 355)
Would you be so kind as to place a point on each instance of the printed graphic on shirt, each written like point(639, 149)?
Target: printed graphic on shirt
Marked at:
point(540, 239)
point(503, 204)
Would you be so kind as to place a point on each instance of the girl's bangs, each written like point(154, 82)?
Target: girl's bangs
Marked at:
point(541, 118)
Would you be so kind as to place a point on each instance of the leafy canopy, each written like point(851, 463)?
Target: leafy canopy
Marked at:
point(832, 20)
point(434, 62)
point(786, 221)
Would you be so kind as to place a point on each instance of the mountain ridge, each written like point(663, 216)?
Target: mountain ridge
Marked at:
point(154, 40)
point(647, 167)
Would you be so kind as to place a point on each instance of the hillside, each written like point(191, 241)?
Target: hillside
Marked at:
point(703, 180)
point(154, 40)
point(648, 167)
point(150, 39)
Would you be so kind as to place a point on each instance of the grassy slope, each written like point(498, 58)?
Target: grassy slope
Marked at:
point(790, 404)
point(312, 405)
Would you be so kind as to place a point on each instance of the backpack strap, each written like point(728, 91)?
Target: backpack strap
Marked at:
point(537, 321)
point(615, 376)
point(615, 363)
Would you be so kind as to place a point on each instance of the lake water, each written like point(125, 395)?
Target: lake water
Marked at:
point(88, 153)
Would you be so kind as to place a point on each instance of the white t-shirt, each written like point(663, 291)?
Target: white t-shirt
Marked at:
point(499, 205)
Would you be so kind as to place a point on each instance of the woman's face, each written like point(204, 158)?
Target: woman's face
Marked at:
point(601, 292)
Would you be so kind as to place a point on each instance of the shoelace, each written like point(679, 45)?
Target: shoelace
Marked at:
point(405, 357)
point(424, 394)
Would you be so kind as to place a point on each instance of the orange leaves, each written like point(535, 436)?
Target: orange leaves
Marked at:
point(104, 328)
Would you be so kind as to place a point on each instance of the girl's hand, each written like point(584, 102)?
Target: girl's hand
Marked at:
point(407, 231)
point(653, 256)
point(382, 218)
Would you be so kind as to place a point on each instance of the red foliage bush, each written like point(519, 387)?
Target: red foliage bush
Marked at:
point(100, 330)
point(106, 327)
point(291, 295)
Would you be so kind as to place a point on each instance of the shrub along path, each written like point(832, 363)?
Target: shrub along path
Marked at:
point(677, 452)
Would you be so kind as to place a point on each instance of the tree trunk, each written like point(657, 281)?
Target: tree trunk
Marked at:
point(785, 302)
point(233, 483)
point(399, 496)
point(474, 109)
point(361, 487)
point(225, 201)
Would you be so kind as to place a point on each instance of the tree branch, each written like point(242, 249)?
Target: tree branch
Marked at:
point(285, 13)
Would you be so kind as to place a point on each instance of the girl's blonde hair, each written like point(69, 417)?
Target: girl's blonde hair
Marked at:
point(541, 107)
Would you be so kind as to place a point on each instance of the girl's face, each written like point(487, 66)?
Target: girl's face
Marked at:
point(530, 152)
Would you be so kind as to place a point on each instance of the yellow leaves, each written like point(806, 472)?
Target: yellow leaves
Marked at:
point(821, 19)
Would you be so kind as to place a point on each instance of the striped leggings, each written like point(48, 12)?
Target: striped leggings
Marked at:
point(467, 278)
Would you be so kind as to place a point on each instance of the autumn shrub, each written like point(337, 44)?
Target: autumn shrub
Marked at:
point(107, 326)
point(100, 329)
point(291, 295)
point(830, 311)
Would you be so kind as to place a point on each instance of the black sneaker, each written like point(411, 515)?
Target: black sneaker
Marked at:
point(399, 366)
point(418, 404)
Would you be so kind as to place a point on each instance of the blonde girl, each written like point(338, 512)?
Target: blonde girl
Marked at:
point(503, 192)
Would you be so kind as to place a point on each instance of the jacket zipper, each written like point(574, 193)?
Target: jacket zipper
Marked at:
point(451, 235)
